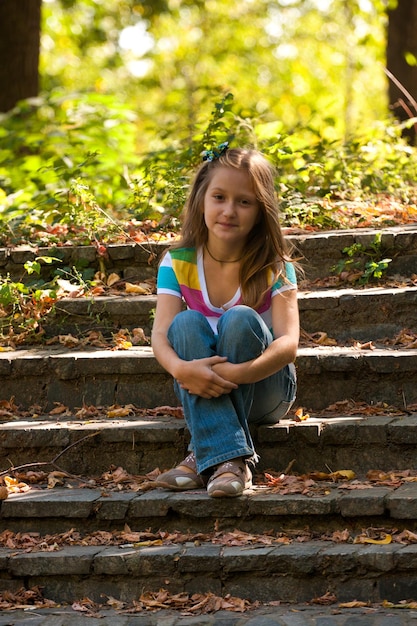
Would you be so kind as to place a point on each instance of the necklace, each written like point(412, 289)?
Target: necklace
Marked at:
point(219, 260)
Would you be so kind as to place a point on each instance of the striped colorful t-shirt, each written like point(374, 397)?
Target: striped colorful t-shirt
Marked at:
point(181, 274)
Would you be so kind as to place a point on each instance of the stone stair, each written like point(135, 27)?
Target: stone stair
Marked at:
point(268, 565)
point(290, 553)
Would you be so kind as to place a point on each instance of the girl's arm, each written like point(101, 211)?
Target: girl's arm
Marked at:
point(167, 308)
point(283, 350)
point(195, 376)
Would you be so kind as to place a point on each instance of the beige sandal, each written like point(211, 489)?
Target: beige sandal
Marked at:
point(230, 479)
point(178, 479)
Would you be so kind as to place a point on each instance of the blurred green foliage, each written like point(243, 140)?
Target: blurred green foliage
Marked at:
point(132, 92)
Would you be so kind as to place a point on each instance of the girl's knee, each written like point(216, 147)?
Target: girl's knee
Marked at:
point(237, 314)
point(240, 318)
point(187, 320)
point(189, 328)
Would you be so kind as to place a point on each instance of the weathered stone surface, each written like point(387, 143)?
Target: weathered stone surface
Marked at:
point(141, 445)
point(113, 505)
point(107, 377)
point(363, 502)
point(266, 571)
point(379, 558)
point(364, 315)
point(71, 503)
point(404, 430)
point(150, 504)
point(402, 503)
point(280, 572)
point(275, 504)
point(201, 558)
point(77, 560)
point(140, 562)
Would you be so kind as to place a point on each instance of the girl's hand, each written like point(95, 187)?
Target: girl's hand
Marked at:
point(198, 377)
point(236, 372)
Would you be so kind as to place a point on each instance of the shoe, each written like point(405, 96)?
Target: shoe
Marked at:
point(178, 479)
point(230, 479)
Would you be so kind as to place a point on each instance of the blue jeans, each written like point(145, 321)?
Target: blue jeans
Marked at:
point(219, 427)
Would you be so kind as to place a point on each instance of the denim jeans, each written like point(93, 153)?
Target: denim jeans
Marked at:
point(219, 427)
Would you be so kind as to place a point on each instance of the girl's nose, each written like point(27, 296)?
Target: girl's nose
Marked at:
point(229, 207)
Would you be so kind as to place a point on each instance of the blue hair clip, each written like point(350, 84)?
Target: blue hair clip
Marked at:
point(212, 155)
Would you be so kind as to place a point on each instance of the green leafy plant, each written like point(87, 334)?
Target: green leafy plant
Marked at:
point(69, 172)
point(23, 306)
point(364, 263)
point(34, 267)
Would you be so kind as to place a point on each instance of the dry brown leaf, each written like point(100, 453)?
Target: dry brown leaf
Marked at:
point(112, 279)
point(138, 337)
point(406, 536)
point(328, 598)
point(406, 604)
point(173, 411)
point(300, 416)
point(355, 604)
point(139, 289)
point(56, 478)
point(68, 340)
point(340, 536)
point(115, 604)
point(14, 485)
point(368, 345)
point(87, 607)
point(335, 476)
point(59, 408)
point(121, 411)
point(24, 599)
point(318, 338)
point(385, 539)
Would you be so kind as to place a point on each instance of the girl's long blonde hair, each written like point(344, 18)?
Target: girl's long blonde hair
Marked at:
point(266, 251)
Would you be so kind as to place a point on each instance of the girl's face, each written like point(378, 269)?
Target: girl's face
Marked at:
point(230, 206)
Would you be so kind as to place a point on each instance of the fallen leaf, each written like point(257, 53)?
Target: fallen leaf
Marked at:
point(56, 478)
point(338, 475)
point(173, 411)
point(121, 411)
point(384, 541)
point(132, 288)
point(300, 416)
point(328, 598)
point(60, 408)
point(112, 279)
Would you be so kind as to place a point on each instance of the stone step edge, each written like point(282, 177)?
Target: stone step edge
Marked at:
point(96, 376)
point(320, 311)
point(331, 499)
point(389, 234)
point(356, 430)
point(142, 358)
point(290, 573)
point(319, 252)
point(135, 310)
point(312, 296)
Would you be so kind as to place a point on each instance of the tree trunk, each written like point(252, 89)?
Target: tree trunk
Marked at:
point(20, 23)
point(402, 41)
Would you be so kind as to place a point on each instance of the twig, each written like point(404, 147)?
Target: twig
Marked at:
point(403, 90)
point(289, 467)
point(406, 93)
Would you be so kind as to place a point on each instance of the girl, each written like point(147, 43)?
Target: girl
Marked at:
point(231, 351)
